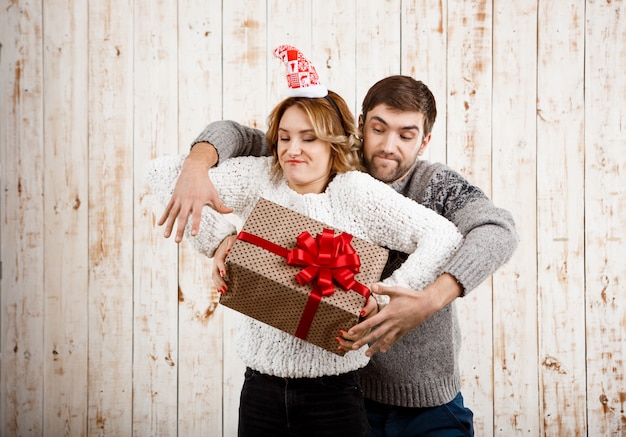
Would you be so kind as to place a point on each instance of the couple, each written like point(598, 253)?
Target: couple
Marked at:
point(413, 388)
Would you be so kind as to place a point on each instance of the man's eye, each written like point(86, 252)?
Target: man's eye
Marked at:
point(405, 138)
point(376, 130)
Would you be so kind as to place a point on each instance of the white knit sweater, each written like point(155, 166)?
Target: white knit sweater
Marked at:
point(354, 202)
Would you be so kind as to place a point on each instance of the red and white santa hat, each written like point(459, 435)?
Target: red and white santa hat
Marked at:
point(302, 77)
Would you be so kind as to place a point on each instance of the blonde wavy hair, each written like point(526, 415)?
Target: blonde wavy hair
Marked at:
point(333, 123)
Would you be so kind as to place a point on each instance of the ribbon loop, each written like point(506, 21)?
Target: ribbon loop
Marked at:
point(329, 258)
point(326, 260)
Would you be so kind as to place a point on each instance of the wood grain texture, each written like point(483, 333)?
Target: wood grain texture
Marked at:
point(22, 227)
point(333, 52)
point(605, 201)
point(424, 57)
point(560, 219)
point(514, 174)
point(66, 216)
point(111, 203)
point(107, 328)
point(155, 288)
point(378, 33)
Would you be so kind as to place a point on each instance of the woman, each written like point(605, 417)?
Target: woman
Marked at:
point(292, 387)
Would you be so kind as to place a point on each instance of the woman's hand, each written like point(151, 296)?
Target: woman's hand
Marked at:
point(344, 339)
point(218, 272)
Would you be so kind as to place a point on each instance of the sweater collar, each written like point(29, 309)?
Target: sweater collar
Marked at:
point(400, 185)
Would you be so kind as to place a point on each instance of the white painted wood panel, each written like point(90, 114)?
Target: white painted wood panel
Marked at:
point(333, 48)
point(110, 97)
point(424, 57)
point(107, 328)
point(111, 203)
point(605, 203)
point(66, 216)
point(23, 250)
point(514, 188)
point(155, 288)
point(560, 218)
point(378, 33)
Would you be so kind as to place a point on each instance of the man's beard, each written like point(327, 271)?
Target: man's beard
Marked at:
point(387, 174)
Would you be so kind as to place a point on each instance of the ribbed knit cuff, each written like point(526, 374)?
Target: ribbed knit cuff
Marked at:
point(418, 395)
point(223, 136)
point(468, 271)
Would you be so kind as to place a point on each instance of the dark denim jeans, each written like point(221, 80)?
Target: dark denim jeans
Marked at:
point(325, 406)
point(450, 420)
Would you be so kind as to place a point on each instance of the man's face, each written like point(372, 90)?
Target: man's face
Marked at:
point(392, 141)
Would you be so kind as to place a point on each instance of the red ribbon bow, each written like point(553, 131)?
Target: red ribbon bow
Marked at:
point(327, 258)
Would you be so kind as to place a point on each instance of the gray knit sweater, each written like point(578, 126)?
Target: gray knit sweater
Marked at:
point(421, 369)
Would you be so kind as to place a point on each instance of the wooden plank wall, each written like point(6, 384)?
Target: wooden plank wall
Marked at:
point(109, 329)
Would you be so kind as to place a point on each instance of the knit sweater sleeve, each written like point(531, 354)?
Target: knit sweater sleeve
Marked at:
point(236, 182)
point(387, 218)
point(232, 139)
point(490, 236)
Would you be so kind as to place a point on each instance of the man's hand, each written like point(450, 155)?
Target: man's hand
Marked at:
point(406, 310)
point(218, 272)
point(193, 191)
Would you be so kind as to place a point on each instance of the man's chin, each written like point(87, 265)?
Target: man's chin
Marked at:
point(386, 175)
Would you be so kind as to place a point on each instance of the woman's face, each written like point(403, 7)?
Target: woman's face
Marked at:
point(305, 159)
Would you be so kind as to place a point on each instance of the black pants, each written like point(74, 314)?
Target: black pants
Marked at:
point(299, 407)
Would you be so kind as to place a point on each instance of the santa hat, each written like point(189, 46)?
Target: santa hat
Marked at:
point(302, 77)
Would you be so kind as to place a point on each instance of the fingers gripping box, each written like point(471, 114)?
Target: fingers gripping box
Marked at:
point(298, 275)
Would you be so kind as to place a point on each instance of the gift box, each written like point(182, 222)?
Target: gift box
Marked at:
point(298, 275)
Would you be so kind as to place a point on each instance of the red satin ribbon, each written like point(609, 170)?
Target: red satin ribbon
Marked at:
point(327, 258)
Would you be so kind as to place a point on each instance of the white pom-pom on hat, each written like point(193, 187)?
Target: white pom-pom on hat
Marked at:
point(302, 77)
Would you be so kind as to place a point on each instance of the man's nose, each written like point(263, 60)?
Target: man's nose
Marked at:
point(389, 144)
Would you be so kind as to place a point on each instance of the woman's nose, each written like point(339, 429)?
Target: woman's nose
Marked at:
point(294, 147)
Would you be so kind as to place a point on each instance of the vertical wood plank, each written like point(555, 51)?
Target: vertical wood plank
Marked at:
point(333, 51)
point(605, 222)
point(513, 180)
point(424, 57)
point(469, 151)
point(200, 334)
point(560, 218)
point(378, 43)
point(155, 288)
point(469, 89)
point(65, 208)
point(22, 230)
point(111, 203)
point(245, 62)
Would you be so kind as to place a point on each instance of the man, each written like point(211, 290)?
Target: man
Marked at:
point(412, 388)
